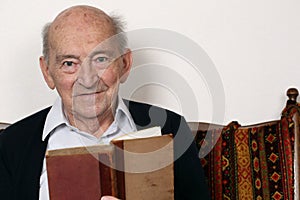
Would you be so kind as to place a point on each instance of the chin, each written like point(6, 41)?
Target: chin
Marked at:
point(88, 112)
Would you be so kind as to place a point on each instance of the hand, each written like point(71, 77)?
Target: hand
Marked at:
point(109, 198)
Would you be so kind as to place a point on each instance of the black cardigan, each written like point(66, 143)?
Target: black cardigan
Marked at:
point(22, 152)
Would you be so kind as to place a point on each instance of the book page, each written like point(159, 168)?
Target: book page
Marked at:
point(149, 132)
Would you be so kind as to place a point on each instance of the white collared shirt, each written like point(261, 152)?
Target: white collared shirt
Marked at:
point(63, 135)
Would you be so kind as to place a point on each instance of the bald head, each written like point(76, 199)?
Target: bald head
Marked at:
point(81, 17)
point(81, 9)
point(78, 19)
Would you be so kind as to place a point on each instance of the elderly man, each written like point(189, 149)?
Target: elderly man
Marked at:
point(85, 59)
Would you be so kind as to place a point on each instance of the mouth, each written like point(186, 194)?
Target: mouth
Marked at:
point(88, 98)
point(86, 94)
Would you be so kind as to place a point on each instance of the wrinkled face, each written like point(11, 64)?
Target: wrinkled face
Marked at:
point(85, 72)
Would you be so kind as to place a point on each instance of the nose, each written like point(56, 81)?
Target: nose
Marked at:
point(88, 76)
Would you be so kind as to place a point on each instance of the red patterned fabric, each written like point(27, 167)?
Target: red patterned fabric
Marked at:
point(220, 164)
point(252, 162)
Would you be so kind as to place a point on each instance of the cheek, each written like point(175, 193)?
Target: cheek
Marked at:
point(111, 77)
point(64, 84)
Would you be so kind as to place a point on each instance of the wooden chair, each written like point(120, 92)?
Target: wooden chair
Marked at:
point(258, 161)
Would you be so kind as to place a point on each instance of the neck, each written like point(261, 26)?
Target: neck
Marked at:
point(95, 126)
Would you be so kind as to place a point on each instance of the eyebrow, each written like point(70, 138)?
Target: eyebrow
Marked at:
point(59, 58)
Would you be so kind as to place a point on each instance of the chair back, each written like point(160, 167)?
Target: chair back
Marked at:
point(259, 161)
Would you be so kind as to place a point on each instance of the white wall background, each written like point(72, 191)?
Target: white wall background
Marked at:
point(255, 46)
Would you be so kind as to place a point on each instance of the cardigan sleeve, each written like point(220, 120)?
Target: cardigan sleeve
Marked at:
point(5, 175)
point(189, 178)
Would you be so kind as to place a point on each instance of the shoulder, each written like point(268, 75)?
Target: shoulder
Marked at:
point(147, 115)
point(21, 142)
point(24, 128)
point(137, 108)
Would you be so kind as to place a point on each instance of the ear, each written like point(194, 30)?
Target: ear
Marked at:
point(126, 65)
point(46, 73)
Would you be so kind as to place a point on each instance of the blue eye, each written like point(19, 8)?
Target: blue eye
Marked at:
point(101, 59)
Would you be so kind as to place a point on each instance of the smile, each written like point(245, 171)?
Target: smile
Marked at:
point(87, 94)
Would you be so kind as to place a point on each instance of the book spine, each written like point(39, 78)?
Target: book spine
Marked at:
point(119, 158)
point(107, 175)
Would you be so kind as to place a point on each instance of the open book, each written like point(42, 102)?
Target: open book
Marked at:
point(137, 165)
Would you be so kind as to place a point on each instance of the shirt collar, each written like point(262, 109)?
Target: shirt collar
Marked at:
point(54, 118)
point(122, 109)
point(57, 118)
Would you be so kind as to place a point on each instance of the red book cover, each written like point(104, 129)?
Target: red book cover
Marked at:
point(130, 169)
point(77, 174)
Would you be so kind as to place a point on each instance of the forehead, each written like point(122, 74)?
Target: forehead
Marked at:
point(80, 27)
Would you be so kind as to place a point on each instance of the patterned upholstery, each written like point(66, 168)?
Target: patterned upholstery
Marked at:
point(251, 162)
